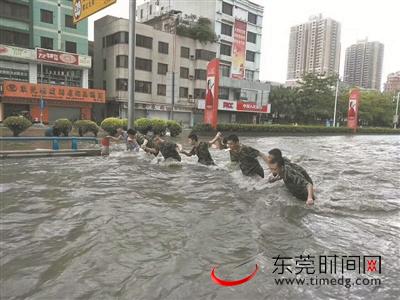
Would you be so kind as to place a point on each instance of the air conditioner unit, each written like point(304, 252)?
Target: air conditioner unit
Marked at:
point(219, 12)
point(191, 77)
point(192, 57)
point(190, 99)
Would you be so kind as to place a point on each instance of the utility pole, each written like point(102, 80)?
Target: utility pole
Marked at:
point(41, 94)
point(131, 61)
point(336, 99)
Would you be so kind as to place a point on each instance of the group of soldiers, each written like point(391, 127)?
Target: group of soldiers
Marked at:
point(294, 176)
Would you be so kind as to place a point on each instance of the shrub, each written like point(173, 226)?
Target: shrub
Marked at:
point(110, 125)
point(63, 125)
point(85, 126)
point(143, 125)
point(159, 126)
point(124, 123)
point(174, 128)
point(291, 129)
point(17, 124)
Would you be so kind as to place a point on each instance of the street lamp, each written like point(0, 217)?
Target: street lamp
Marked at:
point(396, 116)
point(336, 98)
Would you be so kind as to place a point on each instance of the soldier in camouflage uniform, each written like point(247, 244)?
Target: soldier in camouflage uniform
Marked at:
point(200, 149)
point(275, 154)
point(246, 157)
point(294, 180)
point(167, 149)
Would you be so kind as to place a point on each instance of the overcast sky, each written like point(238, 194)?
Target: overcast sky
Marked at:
point(377, 20)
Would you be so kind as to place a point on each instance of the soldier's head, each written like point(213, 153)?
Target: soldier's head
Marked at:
point(120, 130)
point(276, 166)
point(157, 139)
point(274, 154)
point(232, 142)
point(193, 138)
point(131, 133)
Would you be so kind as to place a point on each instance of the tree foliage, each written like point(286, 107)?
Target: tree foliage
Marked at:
point(198, 30)
point(313, 101)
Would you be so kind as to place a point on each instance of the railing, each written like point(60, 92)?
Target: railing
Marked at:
point(55, 140)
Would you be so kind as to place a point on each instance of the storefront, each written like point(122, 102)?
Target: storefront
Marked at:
point(57, 101)
point(236, 111)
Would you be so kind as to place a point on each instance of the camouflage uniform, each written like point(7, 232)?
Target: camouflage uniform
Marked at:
point(202, 153)
point(299, 169)
point(168, 150)
point(247, 159)
point(295, 182)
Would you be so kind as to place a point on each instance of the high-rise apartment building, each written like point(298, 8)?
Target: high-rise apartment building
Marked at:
point(363, 64)
point(314, 47)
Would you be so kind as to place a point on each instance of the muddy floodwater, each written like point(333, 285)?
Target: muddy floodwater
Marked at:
point(129, 227)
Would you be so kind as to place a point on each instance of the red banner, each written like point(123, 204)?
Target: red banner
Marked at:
point(239, 50)
point(18, 89)
point(354, 104)
point(252, 107)
point(57, 57)
point(211, 106)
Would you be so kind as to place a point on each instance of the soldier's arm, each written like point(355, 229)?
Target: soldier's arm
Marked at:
point(310, 197)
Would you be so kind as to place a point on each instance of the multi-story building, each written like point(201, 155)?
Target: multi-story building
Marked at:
point(43, 55)
point(170, 77)
point(314, 47)
point(363, 64)
point(392, 84)
point(227, 18)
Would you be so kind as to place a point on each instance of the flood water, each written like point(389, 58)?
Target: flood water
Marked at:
point(127, 227)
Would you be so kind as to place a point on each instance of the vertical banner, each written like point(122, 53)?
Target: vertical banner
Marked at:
point(239, 50)
point(354, 104)
point(211, 105)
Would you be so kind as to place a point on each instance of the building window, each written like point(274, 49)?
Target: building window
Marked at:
point(46, 42)
point(200, 74)
point(249, 75)
point(163, 47)
point(251, 37)
point(46, 16)
point(226, 49)
point(205, 54)
point(161, 89)
point(104, 85)
point(184, 73)
point(199, 93)
point(143, 64)
point(185, 52)
point(144, 41)
point(227, 8)
point(226, 29)
point(14, 10)
point(162, 69)
point(252, 18)
point(143, 87)
point(121, 84)
point(151, 9)
point(70, 47)
point(60, 76)
point(141, 14)
point(120, 37)
point(224, 93)
point(104, 64)
point(14, 38)
point(225, 70)
point(8, 71)
point(122, 61)
point(69, 22)
point(183, 92)
point(250, 56)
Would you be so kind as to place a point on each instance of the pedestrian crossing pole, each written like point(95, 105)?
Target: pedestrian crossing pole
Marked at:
point(131, 60)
